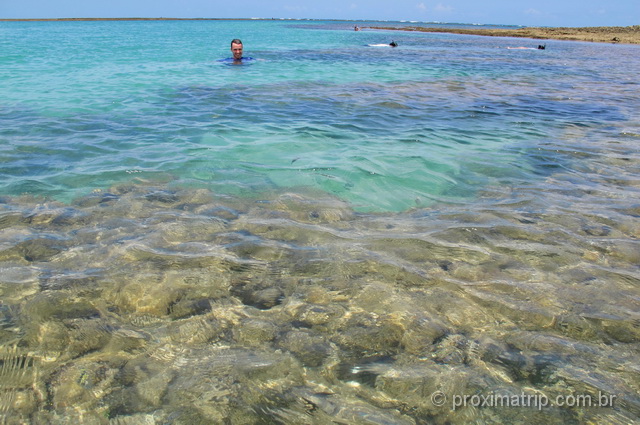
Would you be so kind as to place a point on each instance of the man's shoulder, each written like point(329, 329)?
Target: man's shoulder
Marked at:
point(231, 60)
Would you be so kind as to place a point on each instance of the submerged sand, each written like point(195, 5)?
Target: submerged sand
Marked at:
point(627, 35)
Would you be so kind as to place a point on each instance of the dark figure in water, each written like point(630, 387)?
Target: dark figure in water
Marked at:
point(542, 47)
point(393, 44)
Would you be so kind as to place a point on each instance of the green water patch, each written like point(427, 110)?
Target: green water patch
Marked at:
point(378, 147)
point(379, 156)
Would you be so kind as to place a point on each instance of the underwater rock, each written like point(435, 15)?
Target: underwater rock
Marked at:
point(127, 340)
point(137, 419)
point(310, 349)
point(318, 315)
point(88, 335)
point(359, 372)
point(306, 405)
point(576, 326)
point(19, 403)
point(629, 226)
point(469, 272)
point(146, 294)
point(622, 331)
point(189, 307)
point(377, 298)
point(255, 332)
point(218, 211)
point(8, 315)
point(221, 385)
point(246, 245)
point(33, 250)
point(365, 334)
point(162, 197)
point(11, 219)
point(421, 334)
point(44, 215)
point(411, 385)
point(68, 217)
point(426, 389)
point(62, 304)
point(527, 366)
point(451, 350)
point(52, 336)
point(153, 390)
point(204, 414)
point(625, 251)
point(17, 283)
point(96, 199)
point(196, 330)
point(263, 299)
point(177, 230)
point(82, 384)
point(596, 230)
point(303, 209)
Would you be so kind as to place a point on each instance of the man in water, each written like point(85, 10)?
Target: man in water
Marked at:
point(236, 49)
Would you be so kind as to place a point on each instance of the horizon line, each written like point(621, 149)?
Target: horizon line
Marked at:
point(162, 18)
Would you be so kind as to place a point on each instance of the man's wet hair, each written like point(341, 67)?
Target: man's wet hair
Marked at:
point(235, 41)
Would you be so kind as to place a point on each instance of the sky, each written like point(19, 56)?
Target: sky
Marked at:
point(572, 13)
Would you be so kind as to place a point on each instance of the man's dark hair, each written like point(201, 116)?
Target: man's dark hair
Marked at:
point(235, 41)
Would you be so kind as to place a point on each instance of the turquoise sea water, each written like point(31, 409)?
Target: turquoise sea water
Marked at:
point(87, 104)
point(332, 231)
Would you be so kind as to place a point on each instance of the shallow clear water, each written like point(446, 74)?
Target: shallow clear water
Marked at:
point(330, 232)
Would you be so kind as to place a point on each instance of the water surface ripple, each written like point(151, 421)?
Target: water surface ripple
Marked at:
point(445, 232)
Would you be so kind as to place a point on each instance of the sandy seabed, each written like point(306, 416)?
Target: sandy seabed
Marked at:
point(626, 35)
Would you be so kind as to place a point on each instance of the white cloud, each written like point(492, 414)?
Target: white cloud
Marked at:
point(441, 8)
point(295, 8)
point(421, 7)
point(532, 12)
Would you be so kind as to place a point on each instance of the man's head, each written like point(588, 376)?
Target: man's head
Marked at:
point(236, 49)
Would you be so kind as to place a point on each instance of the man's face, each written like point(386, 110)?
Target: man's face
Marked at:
point(236, 49)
